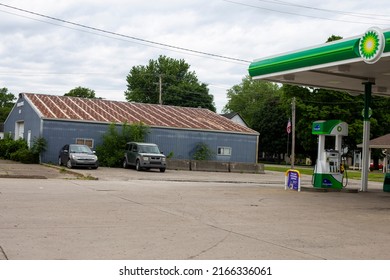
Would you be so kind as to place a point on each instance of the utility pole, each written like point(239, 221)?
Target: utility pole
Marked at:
point(293, 133)
point(160, 89)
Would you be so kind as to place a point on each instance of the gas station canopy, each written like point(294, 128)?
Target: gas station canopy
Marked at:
point(359, 64)
point(339, 65)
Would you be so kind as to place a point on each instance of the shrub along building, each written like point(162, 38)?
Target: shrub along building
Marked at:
point(177, 130)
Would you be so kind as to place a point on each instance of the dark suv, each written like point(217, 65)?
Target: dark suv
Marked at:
point(143, 156)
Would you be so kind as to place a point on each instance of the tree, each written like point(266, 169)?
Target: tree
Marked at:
point(179, 86)
point(271, 122)
point(322, 104)
point(247, 97)
point(112, 149)
point(334, 38)
point(266, 108)
point(81, 92)
point(6, 103)
point(261, 105)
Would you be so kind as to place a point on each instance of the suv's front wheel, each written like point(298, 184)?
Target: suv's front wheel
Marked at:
point(137, 165)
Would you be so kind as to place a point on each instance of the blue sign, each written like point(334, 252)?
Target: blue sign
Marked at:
point(293, 180)
point(317, 127)
point(327, 182)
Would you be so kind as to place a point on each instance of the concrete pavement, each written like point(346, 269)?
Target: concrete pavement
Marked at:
point(11, 169)
point(191, 215)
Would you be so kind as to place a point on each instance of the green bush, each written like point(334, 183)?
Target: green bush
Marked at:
point(3, 148)
point(18, 150)
point(170, 155)
point(25, 156)
point(9, 146)
point(39, 145)
point(111, 151)
point(202, 152)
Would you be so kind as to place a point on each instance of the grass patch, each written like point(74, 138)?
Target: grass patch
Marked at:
point(375, 176)
point(284, 168)
point(87, 177)
point(63, 170)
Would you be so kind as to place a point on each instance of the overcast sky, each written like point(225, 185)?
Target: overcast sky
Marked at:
point(42, 55)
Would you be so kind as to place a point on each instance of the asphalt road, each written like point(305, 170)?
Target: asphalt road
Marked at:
point(185, 215)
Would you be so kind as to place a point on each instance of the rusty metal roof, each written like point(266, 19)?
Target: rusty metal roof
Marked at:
point(153, 115)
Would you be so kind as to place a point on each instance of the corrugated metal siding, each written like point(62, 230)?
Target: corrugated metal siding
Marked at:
point(180, 142)
point(183, 142)
point(22, 111)
point(59, 133)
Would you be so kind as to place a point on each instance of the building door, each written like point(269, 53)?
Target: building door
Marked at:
point(19, 130)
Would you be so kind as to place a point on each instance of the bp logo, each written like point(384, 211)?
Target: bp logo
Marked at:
point(371, 45)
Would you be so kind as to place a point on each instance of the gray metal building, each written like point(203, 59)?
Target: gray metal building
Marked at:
point(177, 130)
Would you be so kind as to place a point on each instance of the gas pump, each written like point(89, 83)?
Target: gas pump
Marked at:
point(329, 170)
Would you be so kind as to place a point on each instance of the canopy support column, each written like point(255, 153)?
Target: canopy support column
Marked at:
point(366, 136)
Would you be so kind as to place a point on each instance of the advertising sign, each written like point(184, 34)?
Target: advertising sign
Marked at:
point(293, 180)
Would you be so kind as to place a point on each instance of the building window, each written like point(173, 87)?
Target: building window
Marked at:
point(224, 151)
point(84, 141)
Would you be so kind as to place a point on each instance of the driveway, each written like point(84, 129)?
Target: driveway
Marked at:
point(187, 215)
point(11, 169)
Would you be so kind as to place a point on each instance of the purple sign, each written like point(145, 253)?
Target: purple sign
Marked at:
point(293, 180)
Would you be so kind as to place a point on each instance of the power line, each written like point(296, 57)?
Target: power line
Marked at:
point(285, 3)
point(124, 36)
point(302, 15)
point(122, 39)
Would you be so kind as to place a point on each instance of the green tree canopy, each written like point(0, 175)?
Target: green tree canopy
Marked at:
point(179, 86)
point(81, 92)
point(322, 104)
point(334, 38)
point(261, 104)
point(247, 97)
point(319, 104)
point(266, 108)
point(6, 103)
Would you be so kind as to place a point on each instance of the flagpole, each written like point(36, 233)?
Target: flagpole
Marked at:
point(288, 142)
point(288, 130)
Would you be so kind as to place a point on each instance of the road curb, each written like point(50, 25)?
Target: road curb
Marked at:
point(71, 172)
point(23, 176)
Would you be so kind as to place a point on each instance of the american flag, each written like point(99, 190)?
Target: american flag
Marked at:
point(288, 126)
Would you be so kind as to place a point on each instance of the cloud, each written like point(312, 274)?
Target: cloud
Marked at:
point(46, 56)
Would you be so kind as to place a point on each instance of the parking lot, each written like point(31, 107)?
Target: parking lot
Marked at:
point(127, 214)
